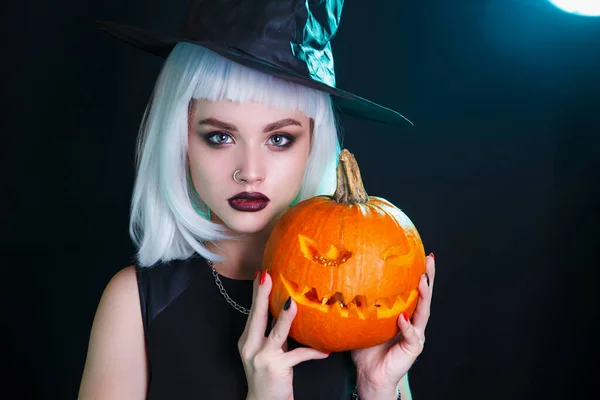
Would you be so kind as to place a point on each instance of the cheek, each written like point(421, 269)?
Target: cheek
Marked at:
point(287, 178)
point(295, 169)
point(289, 170)
point(206, 174)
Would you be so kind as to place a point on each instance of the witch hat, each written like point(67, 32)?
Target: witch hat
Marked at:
point(290, 39)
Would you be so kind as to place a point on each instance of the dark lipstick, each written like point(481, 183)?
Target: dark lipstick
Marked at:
point(248, 201)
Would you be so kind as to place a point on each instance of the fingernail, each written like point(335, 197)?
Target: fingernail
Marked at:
point(287, 304)
point(432, 256)
point(263, 276)
point(405, 316)
point(426, 276)
point(256, 273)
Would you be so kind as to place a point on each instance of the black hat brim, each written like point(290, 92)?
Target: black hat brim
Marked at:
point(346, 102)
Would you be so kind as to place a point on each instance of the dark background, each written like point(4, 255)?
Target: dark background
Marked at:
point(500, 175)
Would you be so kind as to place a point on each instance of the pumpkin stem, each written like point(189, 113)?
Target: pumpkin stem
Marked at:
point(350, 188)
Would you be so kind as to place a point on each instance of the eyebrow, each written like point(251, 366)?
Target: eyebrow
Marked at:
point(273, 126)
point(280, 124)
point(218, 124)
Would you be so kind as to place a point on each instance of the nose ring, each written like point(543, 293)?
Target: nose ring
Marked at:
point(234, 177)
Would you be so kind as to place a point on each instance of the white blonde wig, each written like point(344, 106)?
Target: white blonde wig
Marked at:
point(167, 220)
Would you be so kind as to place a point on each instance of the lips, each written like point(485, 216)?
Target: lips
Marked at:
point(248, 201)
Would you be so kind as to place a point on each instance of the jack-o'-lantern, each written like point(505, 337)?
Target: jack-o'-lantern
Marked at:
point(351, 262)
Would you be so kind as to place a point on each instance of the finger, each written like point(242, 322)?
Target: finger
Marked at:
point(284, 348)
point(256, 324)
point(422, 311)
point(301, 354)
point(281, 329)
point(430, 268)
point(411, 343)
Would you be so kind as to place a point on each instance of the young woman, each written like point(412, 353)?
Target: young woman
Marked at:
point(233, 136)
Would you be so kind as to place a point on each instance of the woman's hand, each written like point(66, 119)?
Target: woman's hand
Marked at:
point(380, 368)
point(268, 367)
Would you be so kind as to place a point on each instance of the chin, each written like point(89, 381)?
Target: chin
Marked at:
point(241, 222)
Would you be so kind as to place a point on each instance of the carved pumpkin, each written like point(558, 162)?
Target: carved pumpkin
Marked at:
point(351, 262)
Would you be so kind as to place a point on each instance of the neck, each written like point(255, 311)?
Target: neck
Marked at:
point(241, 256)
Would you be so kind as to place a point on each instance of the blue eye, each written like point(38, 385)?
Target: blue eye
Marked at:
point(217, 138)
point(281, 140)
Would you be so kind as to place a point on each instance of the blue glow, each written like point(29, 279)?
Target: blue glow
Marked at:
point(590, 8)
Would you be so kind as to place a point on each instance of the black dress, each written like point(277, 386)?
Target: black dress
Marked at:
point(192, 334)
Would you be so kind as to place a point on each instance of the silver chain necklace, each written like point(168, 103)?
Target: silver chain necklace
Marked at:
point(235, 305)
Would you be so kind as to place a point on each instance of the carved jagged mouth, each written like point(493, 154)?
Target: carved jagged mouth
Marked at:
point(359, 305)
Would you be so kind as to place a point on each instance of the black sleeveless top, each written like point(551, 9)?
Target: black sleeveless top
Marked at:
point(192, 333)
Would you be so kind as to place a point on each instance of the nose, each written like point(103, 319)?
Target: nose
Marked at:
point(250, 168)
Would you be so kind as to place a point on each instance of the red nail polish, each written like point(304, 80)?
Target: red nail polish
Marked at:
point(405, 316)
point(262, 278)
point(432, 256)
point(256, 273)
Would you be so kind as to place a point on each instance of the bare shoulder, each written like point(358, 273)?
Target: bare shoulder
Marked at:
point(122, 285)
point(120, 302)
point(116, 365)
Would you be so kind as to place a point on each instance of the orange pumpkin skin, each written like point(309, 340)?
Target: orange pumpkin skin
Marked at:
point(350, 268)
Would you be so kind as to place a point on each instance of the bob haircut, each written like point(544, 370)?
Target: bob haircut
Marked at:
point(168, 219)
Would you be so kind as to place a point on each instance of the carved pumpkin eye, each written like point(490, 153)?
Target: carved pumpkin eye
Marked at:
point(332, 258)
point(399, 255)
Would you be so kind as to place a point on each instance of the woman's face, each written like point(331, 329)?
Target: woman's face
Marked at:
point(269, 146)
